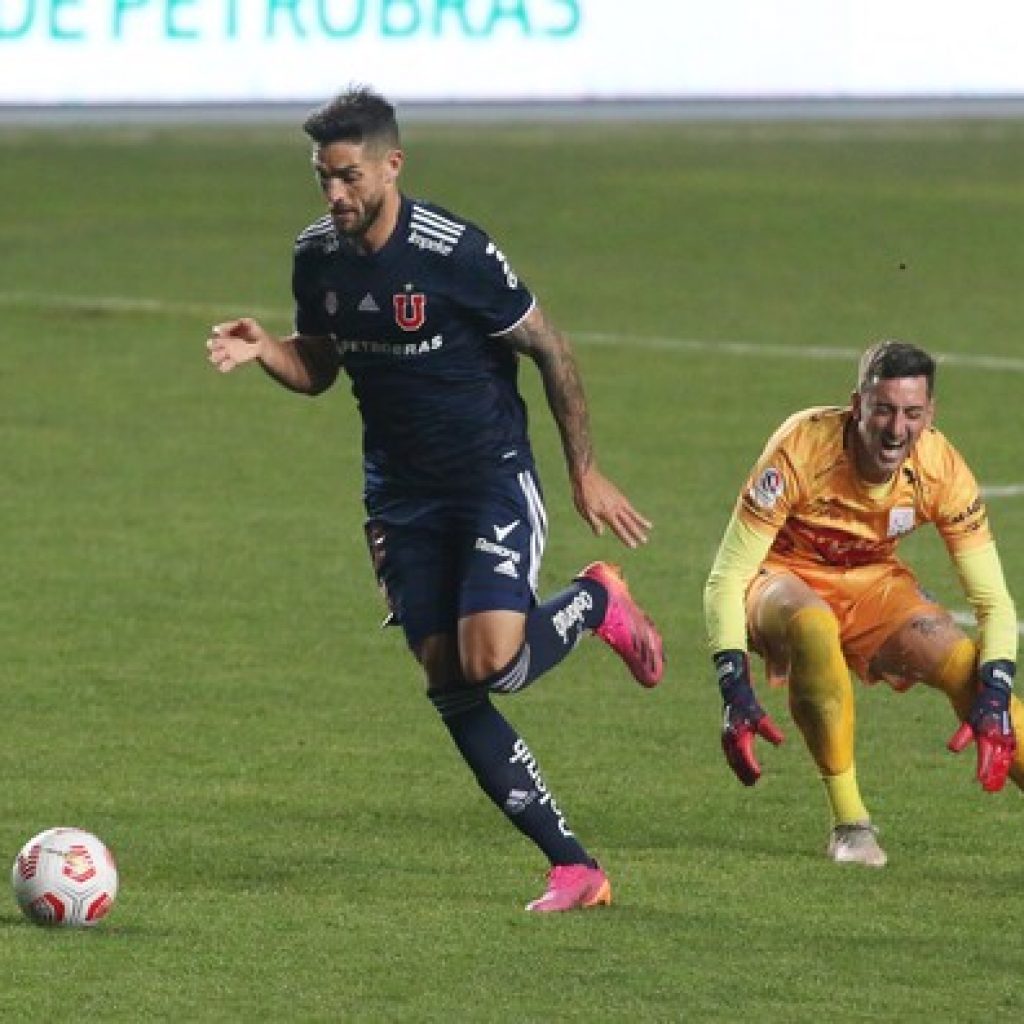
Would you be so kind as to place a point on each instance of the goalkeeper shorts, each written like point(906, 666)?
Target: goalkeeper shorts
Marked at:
point(871, 603)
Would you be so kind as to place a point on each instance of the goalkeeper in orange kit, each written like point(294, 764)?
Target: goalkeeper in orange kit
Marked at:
point(807, 576)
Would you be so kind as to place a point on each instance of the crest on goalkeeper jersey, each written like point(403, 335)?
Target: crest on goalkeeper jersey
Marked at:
point(768, 488)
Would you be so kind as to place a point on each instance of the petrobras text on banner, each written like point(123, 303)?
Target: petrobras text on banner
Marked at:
point(52, 51)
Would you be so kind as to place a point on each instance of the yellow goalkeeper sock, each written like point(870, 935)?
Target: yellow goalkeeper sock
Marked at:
point(1017, 717)
point(844, 797)
point(956, 677)
point(821, 701)
point(820, 691)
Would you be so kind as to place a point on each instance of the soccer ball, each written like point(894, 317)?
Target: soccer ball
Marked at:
point(66, 877)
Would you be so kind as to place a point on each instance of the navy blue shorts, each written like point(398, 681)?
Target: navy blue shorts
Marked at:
point(438, 560)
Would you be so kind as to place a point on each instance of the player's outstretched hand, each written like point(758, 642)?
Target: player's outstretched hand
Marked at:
point(235, 343)
point(989, 725)
point(602, 504)
point(744, 718)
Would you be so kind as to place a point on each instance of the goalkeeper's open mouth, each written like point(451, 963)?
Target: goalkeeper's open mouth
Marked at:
point(890, 454)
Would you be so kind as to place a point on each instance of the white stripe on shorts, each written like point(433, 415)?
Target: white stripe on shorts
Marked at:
point(538, 526)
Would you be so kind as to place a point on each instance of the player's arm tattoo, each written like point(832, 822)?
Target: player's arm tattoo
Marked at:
point(538, 338)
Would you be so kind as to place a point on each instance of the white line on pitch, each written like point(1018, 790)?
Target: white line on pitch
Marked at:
point(130, 304)
point(1002, 491)
point(750, 348)
point(225, 310)
point(967, 619)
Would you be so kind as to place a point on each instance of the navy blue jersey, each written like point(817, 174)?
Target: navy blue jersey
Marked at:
point(414, 327)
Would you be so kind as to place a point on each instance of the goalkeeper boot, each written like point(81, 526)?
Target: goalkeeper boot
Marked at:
point(573, 887)
point(856, 842)
point(626, 629)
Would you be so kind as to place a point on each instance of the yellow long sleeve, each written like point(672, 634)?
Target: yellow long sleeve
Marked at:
point(739, 556)
point(981, 575)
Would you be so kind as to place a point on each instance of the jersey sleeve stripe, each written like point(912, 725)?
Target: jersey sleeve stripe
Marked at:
point(511, 327)
point(429, 231)
point(425, 218)
point(318, 229)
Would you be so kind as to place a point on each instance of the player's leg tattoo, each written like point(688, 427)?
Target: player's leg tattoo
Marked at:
point(925, 647)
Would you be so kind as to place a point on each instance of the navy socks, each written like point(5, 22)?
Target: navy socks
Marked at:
point(552, 630)
point(507, 771)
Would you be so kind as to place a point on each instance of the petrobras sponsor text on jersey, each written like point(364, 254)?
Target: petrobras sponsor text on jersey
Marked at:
point(343, 346)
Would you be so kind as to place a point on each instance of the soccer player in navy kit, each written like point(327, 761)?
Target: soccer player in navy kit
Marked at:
point(425, 315)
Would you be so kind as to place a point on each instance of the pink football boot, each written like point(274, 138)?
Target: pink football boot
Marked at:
point(626, 629)
point(573, 887)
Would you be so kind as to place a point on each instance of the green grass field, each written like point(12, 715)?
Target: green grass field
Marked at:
point(191, 661)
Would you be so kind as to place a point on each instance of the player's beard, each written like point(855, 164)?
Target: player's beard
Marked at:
point(371, 211)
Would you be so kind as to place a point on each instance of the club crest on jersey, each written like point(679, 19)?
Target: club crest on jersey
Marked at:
point(767, 488)
point(410, 310)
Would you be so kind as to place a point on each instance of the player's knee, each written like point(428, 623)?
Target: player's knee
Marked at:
point(812, 636)
point(487, 665)
point(512, 676)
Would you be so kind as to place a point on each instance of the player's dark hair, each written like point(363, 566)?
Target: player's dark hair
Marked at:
point(890, 359)
point(357, 115)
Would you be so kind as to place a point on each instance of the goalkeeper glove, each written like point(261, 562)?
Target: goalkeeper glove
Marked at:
point(988, 724)
point(744, 718)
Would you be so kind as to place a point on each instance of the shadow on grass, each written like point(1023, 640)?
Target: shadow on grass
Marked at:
point(107, 930)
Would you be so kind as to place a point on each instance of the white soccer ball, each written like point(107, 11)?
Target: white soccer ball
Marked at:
point(65, 877)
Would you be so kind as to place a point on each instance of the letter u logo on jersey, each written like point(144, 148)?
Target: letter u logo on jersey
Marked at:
point(410, 310)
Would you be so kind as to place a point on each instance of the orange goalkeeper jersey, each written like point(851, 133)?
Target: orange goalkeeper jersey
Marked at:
point(805, 486)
